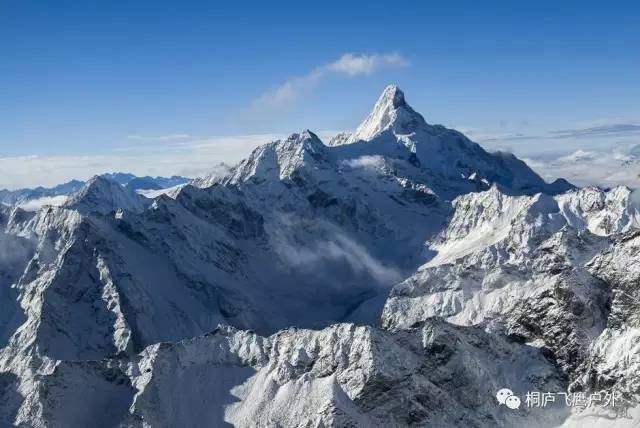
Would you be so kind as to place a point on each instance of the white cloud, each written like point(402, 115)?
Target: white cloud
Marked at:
point(289, 91)
point(348, 64)
point(36, 204)
point(327, 245)
point(366, 162)
point(353, 65)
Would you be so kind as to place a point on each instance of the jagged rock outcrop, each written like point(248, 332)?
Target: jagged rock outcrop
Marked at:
point(433, 374)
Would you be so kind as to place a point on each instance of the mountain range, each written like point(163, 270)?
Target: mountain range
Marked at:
point(399, 275)
point(57, 194)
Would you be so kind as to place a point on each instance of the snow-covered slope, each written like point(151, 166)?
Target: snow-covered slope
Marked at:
point(101, 195)
point(398, 276)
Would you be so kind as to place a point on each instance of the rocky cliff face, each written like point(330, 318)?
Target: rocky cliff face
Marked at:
point(398, 276)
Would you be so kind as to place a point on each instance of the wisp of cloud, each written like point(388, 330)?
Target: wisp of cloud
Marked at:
point(349, 64)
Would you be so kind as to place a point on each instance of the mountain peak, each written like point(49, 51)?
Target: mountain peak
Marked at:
point(392, 95)
point(103, 195)
point(303, 136)
point(390, 112)
point(306, 140)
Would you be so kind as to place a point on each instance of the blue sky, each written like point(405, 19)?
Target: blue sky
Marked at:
point(135, 82)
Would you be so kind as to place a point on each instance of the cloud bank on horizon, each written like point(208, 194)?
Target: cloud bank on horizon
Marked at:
point(177, 154)
point(604, 165)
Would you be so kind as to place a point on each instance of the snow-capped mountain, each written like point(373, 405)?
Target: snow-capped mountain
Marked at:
point(444, 153)
point(398, 276)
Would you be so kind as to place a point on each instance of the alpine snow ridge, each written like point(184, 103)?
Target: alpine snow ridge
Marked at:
point(396, 276)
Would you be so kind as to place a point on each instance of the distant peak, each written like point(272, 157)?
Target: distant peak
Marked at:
point(99, 180)
point(306, 139)
point(390, 112)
